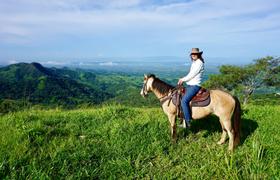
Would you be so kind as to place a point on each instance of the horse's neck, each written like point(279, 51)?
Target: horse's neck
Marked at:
point(159, 94)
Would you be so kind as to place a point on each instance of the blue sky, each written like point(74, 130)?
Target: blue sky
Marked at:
point(61, 30)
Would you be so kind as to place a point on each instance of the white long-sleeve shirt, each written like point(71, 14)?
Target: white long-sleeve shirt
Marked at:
point(195, 75)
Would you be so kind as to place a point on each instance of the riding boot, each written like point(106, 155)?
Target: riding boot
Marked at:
point(188, 124)
point(185, 124)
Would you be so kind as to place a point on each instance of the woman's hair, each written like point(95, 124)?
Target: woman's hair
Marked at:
point(199, 57)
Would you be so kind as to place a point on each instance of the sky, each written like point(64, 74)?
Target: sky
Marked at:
point(65, 30)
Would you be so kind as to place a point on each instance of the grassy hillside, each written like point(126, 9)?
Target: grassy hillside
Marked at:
point(122, 142)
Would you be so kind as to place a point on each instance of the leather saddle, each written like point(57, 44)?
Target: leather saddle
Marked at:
point(201, 99)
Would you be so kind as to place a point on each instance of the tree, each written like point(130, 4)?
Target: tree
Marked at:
point(245, 80)
point(273, 78)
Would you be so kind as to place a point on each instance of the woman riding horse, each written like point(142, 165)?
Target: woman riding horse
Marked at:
point(193, 80)
point(222, 104)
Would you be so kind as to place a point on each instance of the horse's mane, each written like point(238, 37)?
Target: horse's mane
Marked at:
point(161, 86)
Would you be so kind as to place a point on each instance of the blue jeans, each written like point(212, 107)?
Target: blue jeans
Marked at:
point(191, 91)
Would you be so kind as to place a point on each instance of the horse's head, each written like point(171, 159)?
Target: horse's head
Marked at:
point(147, 84)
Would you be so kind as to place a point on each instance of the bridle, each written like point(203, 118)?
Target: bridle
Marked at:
point(144, 88)
point(165, 96)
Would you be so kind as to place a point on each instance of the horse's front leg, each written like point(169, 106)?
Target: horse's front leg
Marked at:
point(172, 120)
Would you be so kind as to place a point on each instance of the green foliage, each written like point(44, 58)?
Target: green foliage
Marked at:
point(8, 105)
point(42, 83)
point(70, 88)
point(273, 78)
point(119, 142)
point(126, 90)
point(37, 84)
point(247, 79)
point(265, 99)
point(231, 76)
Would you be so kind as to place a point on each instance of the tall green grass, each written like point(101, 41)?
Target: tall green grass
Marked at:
point(120, 142)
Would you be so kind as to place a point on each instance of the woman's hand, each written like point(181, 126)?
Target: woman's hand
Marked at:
point(180, 82)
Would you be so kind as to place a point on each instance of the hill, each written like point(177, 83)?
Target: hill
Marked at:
point(23, 85)
point(37, 84)
point(120, 142)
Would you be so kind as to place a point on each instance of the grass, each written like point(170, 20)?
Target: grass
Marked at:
point(119, 142)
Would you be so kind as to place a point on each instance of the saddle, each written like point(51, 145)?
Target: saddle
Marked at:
point(201, 99)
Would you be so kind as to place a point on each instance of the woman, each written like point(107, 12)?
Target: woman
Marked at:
point(193, 80)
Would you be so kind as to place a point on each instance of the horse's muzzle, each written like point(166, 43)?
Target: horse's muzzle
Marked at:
point(143, 94)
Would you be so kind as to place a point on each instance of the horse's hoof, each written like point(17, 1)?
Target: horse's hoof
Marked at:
point(221, 142)
point(174, 140)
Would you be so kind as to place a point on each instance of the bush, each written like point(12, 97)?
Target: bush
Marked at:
point(8, 105)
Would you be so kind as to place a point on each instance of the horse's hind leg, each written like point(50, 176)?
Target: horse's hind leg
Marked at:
point(223, 137)
point(230, 131)
point(224, 133)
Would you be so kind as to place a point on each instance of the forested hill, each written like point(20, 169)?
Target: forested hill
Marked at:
point(37, 84)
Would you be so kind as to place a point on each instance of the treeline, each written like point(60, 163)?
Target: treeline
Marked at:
point(244, 81)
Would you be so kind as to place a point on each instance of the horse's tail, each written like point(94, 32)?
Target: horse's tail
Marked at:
point(236, 122)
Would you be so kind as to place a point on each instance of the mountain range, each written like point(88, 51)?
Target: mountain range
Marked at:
point(38, 84)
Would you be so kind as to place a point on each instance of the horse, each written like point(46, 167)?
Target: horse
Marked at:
point(222, 104)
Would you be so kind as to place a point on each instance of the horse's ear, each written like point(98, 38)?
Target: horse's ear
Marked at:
point(151, 75)
point(145, 76)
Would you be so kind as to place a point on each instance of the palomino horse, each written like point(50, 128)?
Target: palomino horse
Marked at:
point(222, 105)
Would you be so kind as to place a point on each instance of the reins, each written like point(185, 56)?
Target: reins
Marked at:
point(172, 91)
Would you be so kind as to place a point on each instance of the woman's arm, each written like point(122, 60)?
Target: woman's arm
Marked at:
point(195, 69)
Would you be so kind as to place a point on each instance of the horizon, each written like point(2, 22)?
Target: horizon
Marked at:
point(155, 65)
point(119, 61)
point(63, 30)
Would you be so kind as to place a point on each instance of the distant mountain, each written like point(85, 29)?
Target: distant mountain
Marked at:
point(38, 84)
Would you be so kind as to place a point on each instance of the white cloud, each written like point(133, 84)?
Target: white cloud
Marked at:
point(12, 62)
point(172, 22)
point(108, 64)
point(55, 63)
point(117, 3)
